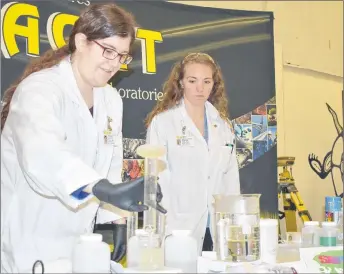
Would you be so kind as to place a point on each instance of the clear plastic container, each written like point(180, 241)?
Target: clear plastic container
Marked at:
point(151, 251)
point(237, 232)
point(328, 234)
point(133, 251)
point(91, 255)
point(181, 251)
point(310, 234)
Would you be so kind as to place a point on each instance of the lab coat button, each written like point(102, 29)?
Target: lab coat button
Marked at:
point(208, 177)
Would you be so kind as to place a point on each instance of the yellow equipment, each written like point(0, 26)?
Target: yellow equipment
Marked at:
point(292, 200)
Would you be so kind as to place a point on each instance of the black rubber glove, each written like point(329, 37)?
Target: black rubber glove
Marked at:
point(119, 242)
point(159, 197)
point(127, 196)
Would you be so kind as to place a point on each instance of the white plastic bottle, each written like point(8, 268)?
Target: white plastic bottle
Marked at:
point(310, 234)
point(133, 251)
point(91, 255)
point(181, 251)
point(328, 234)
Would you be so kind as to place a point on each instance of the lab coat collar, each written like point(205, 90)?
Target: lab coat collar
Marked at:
point(75, 94)
point(66, 69)
point(212, 112)
point(213, 118)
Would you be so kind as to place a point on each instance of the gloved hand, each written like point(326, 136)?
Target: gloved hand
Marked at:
point(127, 196)
point(119, 241)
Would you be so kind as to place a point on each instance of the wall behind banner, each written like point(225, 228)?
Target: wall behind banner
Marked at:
point(309, 46)
point(241, 42)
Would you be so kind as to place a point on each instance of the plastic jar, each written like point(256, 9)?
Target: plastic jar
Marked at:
point(133, 251)
point(328, 234)
point(91, 255)
point(181, 251)
point(268, 240)
point(310, 234)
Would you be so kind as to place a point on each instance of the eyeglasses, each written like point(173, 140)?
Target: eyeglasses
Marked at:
point(111, 54)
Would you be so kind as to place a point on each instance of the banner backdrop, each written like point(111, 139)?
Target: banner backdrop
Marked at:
point(240, 41)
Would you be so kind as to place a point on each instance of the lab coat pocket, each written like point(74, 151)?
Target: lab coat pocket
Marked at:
point(225, 156)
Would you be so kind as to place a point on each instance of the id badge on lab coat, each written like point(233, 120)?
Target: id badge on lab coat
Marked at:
point(185, 141)
point(109, 138)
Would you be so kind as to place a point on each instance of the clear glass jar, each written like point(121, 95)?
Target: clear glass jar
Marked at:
point(151, 251)
point(237, 234)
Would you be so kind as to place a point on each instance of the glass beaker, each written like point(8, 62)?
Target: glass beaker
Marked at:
point(132, 224)
point(151, 251)
point(150, 192)
point(237, 227)
point(153, 165)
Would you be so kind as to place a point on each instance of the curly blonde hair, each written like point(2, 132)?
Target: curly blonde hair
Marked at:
point(173, 93)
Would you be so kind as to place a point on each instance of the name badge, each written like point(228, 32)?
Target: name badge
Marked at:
point(109, 139)
point(185, 141)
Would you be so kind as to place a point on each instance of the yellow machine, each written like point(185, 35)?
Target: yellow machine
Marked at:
point(287, 191)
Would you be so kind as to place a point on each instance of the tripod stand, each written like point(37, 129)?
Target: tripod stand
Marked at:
point(292, 201)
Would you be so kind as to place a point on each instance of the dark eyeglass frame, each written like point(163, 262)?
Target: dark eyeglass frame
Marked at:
point(123, 58)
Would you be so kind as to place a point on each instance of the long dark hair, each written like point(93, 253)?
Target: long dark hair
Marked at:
point(97, 21)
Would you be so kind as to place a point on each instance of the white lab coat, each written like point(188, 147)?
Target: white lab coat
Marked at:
point(52, 146)
point(194, 172)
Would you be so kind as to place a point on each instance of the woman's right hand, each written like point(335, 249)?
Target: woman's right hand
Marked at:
point(127, 196)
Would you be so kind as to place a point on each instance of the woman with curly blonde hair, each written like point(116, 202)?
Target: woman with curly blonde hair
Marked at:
point(192, 123)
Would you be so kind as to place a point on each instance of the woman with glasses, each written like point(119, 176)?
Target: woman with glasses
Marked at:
point(192, 122)
point(62, 143)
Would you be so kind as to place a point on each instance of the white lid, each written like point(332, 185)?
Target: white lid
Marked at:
point(311, 223)
point(328, 224)
point(268, 222)
point(181, 232)
point(91, 237)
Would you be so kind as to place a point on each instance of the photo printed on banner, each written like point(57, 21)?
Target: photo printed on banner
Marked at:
point(132, 169)
point(261, 110)
point(259, 148)
point(130, 146)
point(244, 156)
point(272, 115)
point(244, 119)
point(271, 101)
point(272, 137)
point(255, 132)
point(259, 127)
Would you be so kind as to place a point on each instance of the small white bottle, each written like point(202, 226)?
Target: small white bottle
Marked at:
point(268, 240)
point(133, 251)
point(328, 234)
point(310, 234)
point(91, 255)
point(181, 251)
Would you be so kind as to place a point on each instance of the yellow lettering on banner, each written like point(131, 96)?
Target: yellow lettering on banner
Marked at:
point(148, 39)
point(9, 29)
point(56, 23)
point(124, 67)
point(55, 26)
